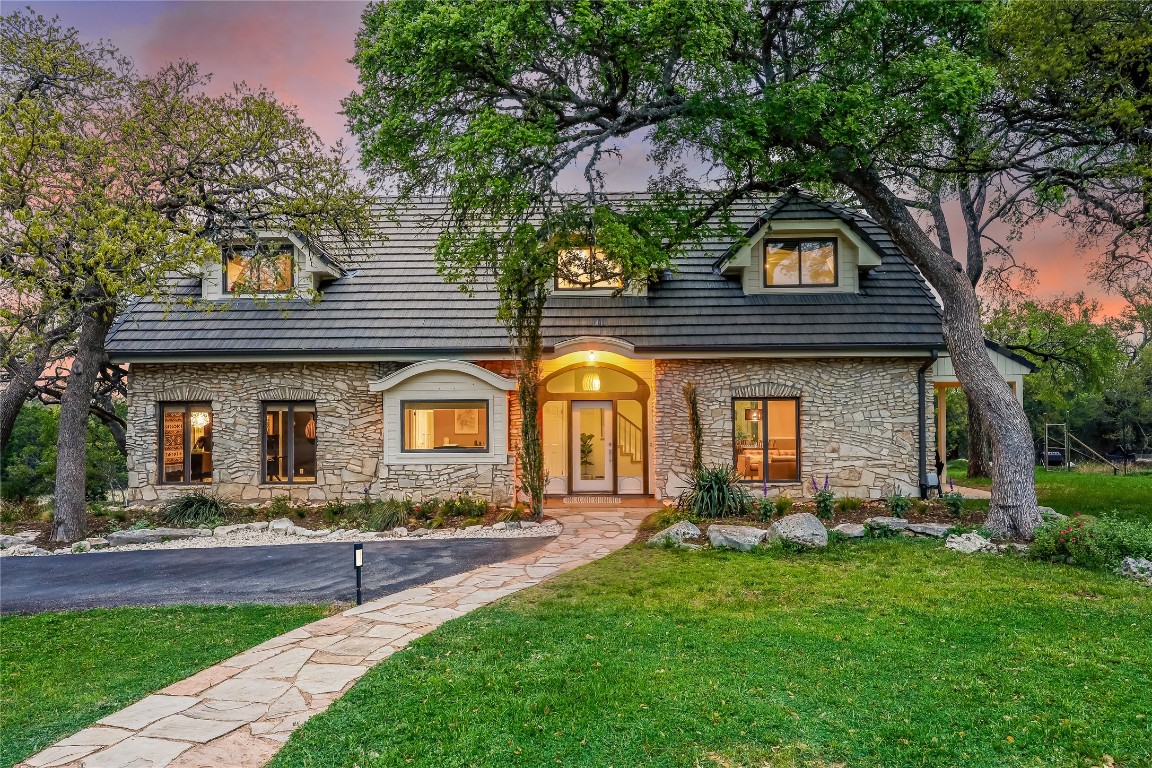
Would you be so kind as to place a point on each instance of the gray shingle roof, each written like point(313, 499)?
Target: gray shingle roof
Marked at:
point(391, 302)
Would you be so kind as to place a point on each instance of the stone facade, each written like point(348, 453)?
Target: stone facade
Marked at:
point(348, 435)
point(858, 426)
point(858, 420)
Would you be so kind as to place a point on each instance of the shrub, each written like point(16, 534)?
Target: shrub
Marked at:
point(1093, 543)
point(334, 511)
point(466, 506)
point(193, 510)
point(512, 515)
point(954, 502)
point(898, 504)
point(715, 492)
point(849, 504)
point(765, 508)
point(386, 515)
point(825, 499)
point(783, 504)
point(280, 506)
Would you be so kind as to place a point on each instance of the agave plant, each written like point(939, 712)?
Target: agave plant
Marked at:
point(715, 492)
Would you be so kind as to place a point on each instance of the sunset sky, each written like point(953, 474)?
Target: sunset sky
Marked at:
point(301, 50)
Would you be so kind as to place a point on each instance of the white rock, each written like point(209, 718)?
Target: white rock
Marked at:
point(1136, 568)
point(739, 537)
point(802, 528)
point(969, 543)
point(151, 535)
point(400, 531)
point(937, 530)
point(281, 525)
point(1047, 513)
point(81, 547)
point(886, 523)
point(420, 532)
point(675, 534)
point(529, 524)
point(98, 542)
point(851, 530)
point(473, 528)
point(499, 526)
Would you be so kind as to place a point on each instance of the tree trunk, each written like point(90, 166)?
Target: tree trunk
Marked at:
point(1013, 510)
point(528, 396)
point(71, 521)
point(19, 388)
point(977, 441)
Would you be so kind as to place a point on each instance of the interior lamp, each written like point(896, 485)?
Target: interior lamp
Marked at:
point(751, 414)
point(199, 419)
point(591, 357)
point(590, 382)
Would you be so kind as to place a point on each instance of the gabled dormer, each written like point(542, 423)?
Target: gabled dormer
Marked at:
point(285, 265)
point(800, 247)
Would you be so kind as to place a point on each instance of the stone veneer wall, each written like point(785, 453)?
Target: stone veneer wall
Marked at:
point(349, 441)
point(858, 420)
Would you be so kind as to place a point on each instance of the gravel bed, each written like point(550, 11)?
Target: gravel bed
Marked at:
point(253, 538)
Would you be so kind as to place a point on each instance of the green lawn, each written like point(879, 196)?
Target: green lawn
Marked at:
point(1130, 496)
point(882, 653)
point(61, 671)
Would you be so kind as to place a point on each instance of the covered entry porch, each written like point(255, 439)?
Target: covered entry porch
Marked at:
point(596, 421)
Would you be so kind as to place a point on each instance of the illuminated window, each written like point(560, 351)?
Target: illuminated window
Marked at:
point(449, 426)
point(186, 443)
point(267, 270)
point(799, 263)
point(290, 442)
point(580, 269)
point(766, 438)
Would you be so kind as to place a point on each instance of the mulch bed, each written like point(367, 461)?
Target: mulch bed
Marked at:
point(119, 519)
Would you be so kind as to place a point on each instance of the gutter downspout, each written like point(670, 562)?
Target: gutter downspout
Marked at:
point(921, 385)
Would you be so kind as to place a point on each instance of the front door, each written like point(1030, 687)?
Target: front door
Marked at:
point(592, 448)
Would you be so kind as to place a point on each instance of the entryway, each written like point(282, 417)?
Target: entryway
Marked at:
point(594, 424)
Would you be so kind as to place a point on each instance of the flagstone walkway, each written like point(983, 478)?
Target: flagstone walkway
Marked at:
point(238, 713)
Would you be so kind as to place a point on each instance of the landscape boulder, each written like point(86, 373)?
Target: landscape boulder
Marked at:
point(739, 537)
point(937, 530)
point(969, 543)
point(803, 528)
point(1136, 568)
point(98, 542)
point(150, 535)
point(281, 525)
point(21, 538)
point(674, 534)
point(1047, 513)
point(886, 523)
point(851, 530)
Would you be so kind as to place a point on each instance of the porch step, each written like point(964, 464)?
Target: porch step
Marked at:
point(589, 500)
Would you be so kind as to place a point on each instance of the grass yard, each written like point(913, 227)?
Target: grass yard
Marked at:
point(883, 653)
point(59, 672)
point(1130, 496)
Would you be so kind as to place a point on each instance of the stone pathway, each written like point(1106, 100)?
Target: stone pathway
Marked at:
point(238, 713)
point(974, 493)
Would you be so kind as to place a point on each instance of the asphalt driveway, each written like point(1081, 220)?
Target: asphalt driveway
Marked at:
point(284, 573)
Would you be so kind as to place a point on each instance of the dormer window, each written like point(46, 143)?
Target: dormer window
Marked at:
point(267, 269)
point(799, 263)
point(587, 268)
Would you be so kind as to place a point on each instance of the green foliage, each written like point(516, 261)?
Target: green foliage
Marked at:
point(467, 505)
point(1098, 543)
point(715, 492)
point(195, 510)
point(1122, 496)
point(510, 515)
point(898, 504)
point(336, 512)
point(44, 655)
point(387, 514)
point(783, 504)
point(764, 507)
point(954, 502)
point(847, 504)
point(281, 506)
point(28, 464)
point(695, 425)
point(825, 502)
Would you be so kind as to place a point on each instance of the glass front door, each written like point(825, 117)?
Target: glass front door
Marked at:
point(592, 440)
